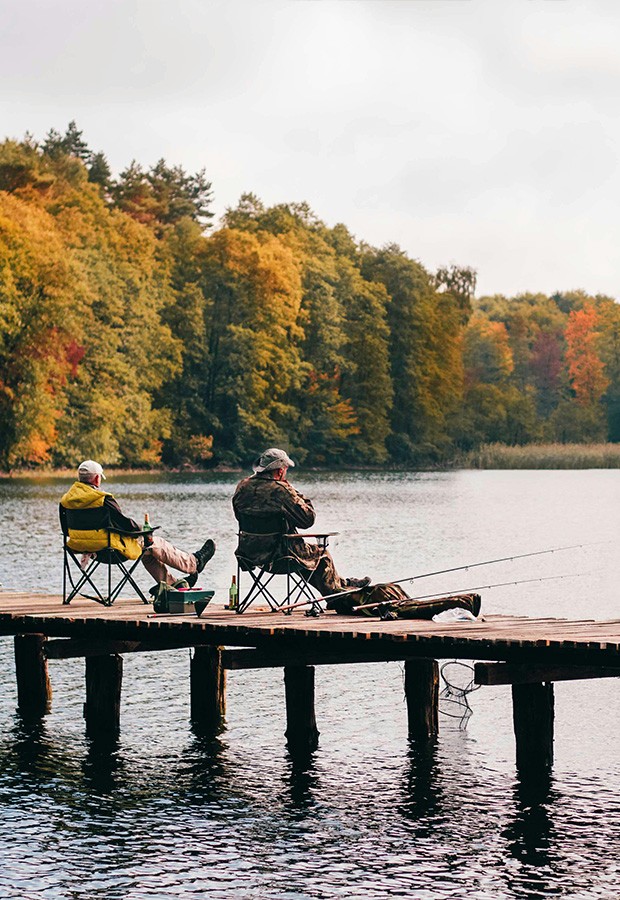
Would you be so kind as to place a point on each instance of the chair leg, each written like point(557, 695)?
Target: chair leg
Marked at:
point(302, 590)
point(259, 588)
point(298, 586)
point(135, 585)
point(127, 578)
point(86, 577)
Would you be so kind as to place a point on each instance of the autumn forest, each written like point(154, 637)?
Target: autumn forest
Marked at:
point(136, 331)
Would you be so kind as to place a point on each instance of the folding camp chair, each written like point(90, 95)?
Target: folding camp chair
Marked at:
point(282, 563)
point(107, 557)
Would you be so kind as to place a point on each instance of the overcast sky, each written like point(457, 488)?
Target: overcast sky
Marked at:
point(478, 133)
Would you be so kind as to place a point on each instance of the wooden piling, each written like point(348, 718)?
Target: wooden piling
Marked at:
point(34, 689)
point(422, 694)
point(102, 710)
point(207, 690)
point(301, 733)
point(533, 712)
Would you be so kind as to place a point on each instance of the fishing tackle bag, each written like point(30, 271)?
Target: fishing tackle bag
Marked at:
point(391, 601)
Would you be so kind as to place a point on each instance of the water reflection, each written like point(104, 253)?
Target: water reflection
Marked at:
point(301, 781)
point(103, 767)
point(205, 772)
point(28, 748)
point(422, 795)
point(531, 840)
point(529, 835)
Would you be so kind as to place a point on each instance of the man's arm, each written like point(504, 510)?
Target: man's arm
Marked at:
point(117, 519)
point(297, 508)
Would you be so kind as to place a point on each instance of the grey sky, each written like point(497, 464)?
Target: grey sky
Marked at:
point(481, 133)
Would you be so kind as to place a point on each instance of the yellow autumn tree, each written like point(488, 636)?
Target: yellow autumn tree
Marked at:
point(252, 289)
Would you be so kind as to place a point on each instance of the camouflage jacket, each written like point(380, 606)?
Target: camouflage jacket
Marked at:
point(282, 510)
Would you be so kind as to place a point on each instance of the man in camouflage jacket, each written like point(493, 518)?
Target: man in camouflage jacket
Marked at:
point(268, 507)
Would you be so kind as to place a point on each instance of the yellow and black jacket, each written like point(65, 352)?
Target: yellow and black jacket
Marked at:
point(87, 516)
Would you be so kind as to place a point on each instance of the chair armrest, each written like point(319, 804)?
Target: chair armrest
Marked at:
point(140, 533)
point(262, 533)
point(322, 540)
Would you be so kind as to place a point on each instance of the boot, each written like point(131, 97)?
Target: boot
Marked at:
point(356, 582)
point(204, 555)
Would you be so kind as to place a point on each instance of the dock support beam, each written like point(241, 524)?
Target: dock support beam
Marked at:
point(34, 690)
point(301, 734)
point(422, 694)
point(102, 710)
point(533, 709)
point(207, 690)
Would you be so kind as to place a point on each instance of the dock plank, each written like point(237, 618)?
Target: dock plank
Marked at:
point(493, 637)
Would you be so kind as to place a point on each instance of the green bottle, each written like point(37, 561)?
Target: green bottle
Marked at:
point(146, 529)
point(233, 594)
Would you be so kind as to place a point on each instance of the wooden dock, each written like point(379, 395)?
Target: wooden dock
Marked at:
point(527, 653)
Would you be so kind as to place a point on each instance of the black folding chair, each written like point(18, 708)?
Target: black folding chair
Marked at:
point(282, 562)
point(107, 557)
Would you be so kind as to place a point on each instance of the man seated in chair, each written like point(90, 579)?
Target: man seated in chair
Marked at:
point(266, 499)
point(86, 496)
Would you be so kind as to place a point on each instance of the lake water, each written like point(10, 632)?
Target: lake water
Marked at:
point(163, 815)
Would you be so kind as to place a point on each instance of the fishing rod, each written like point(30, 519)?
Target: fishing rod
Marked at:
point(490, 562)
point(480, 587)
point(411, 579)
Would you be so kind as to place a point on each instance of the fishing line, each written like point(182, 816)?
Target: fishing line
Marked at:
point(480, 587)
point(490, 562)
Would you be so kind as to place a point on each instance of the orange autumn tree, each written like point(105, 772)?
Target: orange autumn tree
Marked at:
point(38, 349)
point(585, 368)
point(582, 417)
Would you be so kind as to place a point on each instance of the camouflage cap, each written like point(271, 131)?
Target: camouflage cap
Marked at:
point(272, 459)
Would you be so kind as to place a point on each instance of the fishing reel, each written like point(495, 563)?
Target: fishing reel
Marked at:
point(314, 611)
point(386, 612)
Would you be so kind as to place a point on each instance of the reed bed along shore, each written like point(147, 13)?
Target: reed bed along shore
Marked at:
point(542, 456)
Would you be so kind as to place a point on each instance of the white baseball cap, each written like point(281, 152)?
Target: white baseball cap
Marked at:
point(90, 467)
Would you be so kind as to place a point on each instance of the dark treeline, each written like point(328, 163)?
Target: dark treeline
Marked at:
point(134, 332)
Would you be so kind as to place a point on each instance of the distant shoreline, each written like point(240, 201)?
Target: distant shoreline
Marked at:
point(489, 456)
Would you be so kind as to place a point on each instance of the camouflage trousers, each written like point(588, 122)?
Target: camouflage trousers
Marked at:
point(324, 577)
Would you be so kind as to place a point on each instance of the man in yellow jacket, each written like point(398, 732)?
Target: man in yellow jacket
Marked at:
point(88, 515)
